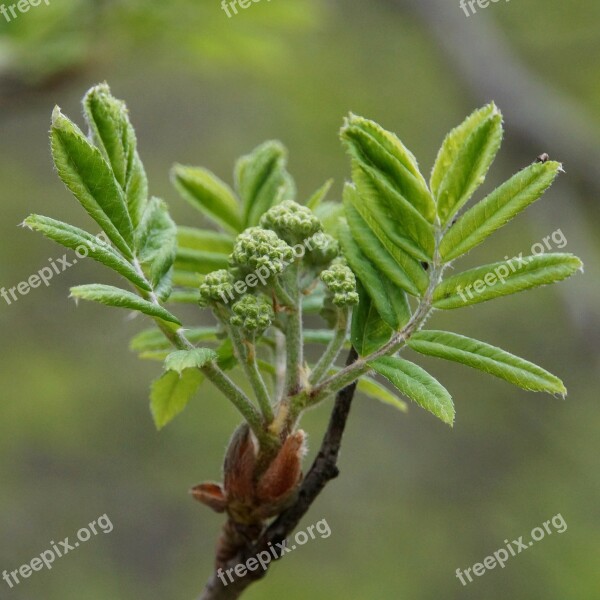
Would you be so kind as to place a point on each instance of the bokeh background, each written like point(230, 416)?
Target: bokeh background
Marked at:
point(416, 499)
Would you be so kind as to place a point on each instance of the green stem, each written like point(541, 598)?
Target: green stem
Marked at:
point(333, 349)
point(239, 400)
point(246, 351)
point(352, 372)
point(212, 372)
point(294, 342)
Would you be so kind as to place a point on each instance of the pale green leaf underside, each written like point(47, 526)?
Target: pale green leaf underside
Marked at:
point(504, 278)
point(211, 196)
point(113, 296)
point(200, 261)
point(369, 331)
point(171, 393)
point(189, 359)
point(205, 240)
point(374, 389)
point(482, 356)
point(418, 385)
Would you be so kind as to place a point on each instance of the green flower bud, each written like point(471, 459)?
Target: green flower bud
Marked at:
point(322, 249)
point(341, 284)
point(260, 250)
point(291, 221)
point(252, 313)
point(216, 287)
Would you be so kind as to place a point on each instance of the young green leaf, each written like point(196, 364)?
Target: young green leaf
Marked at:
point(504, 278)
point(330, 214)
point(154, 339)
point(171, 393)
point(317, 198)
point(189, 359)
point(381, 151)
point(204, 239)
point(188, 279)
point(262, 180)
point(418, 385)
point(156, 242)
point(184, 296)
point(113, 134)
point(211, 196)
point(390, 300)
point(476, 354)
point(112, 296)
point(78, 239)
point(86, 173)
point(200, 261)
point(374, 389)
point(397, 265)
point(497, 209)
point(369, 331)
point(394, 213)
point(464, 159)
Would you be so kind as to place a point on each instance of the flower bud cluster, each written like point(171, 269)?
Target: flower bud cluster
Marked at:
point(253, 314)
point(341, 284)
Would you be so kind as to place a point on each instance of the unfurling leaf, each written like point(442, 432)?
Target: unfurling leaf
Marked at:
point(464, 159)
point(262, 180)
point(86, 173)
point(113, 134)
point(382, 153)
point(476, 354)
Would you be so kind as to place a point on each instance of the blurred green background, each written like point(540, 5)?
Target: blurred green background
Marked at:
point(415, 499)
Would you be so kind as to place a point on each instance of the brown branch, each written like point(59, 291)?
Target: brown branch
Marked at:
point(323, 470)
